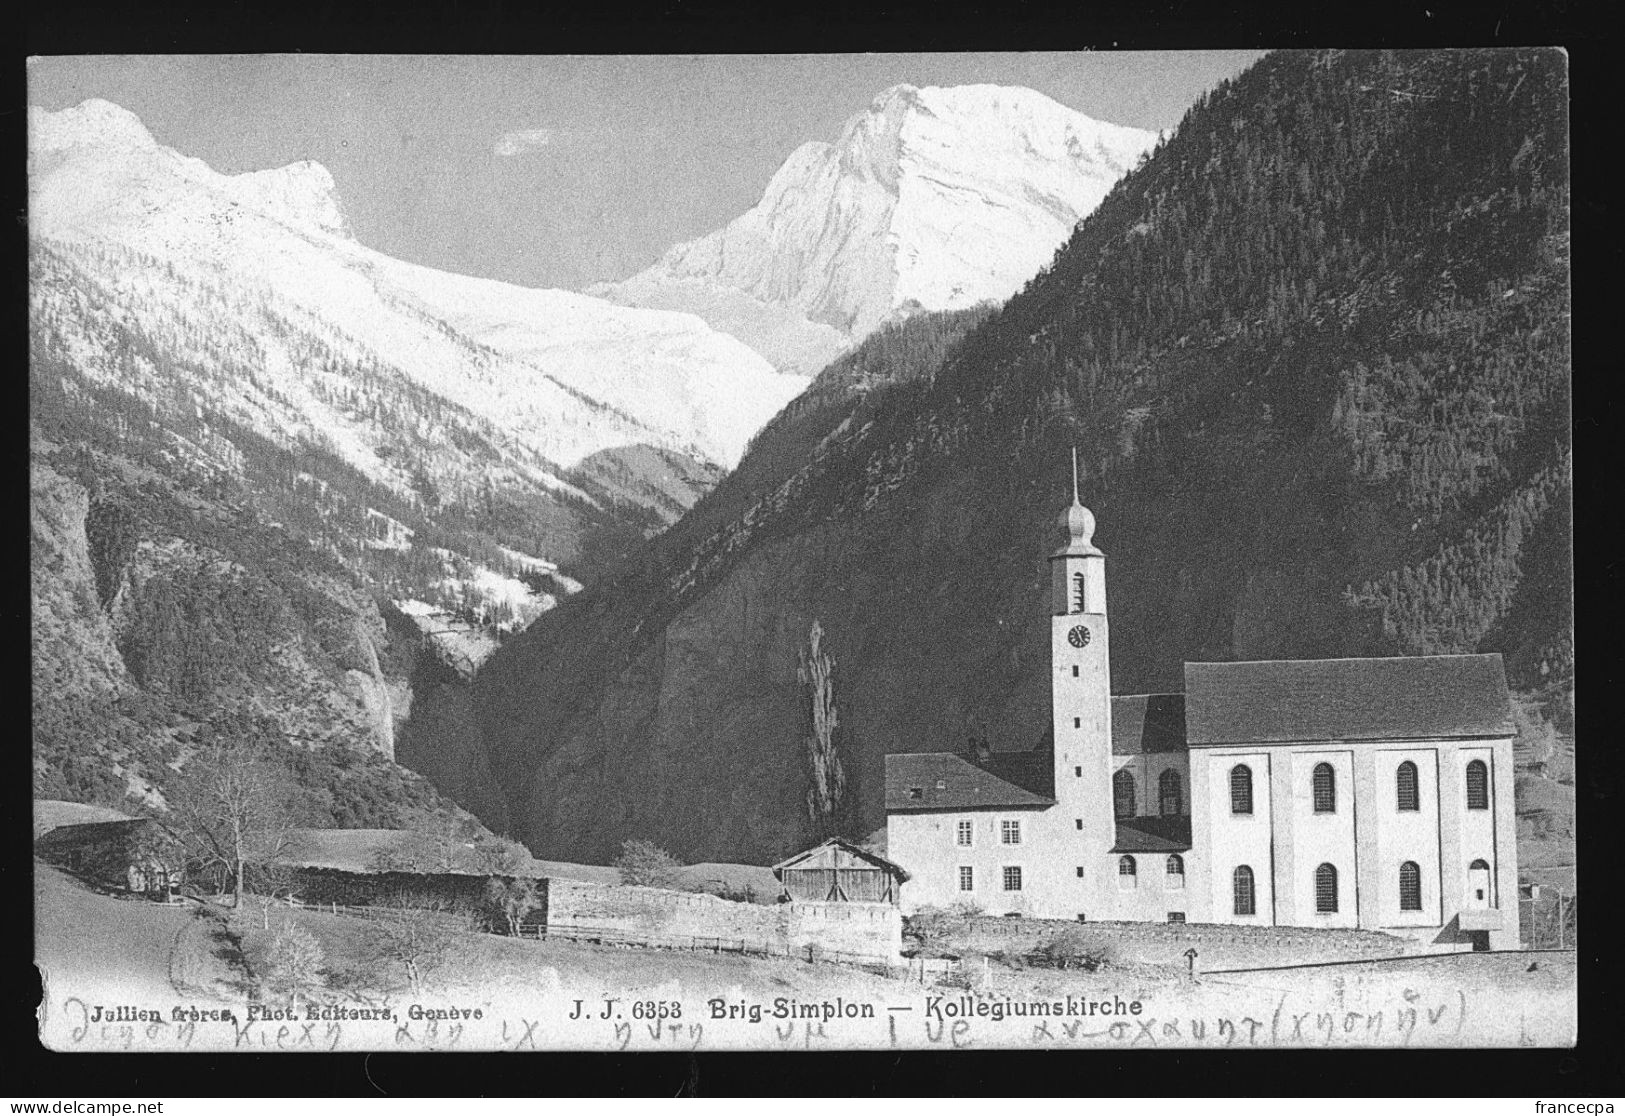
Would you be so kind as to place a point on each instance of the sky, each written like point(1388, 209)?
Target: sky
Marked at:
point(560, 171)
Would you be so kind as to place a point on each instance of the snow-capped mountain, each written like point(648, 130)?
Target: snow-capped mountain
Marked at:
point(933, 199)
point(564, 375)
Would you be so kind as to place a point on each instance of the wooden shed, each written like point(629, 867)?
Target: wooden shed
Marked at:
point(839, 871)
point(139, 855)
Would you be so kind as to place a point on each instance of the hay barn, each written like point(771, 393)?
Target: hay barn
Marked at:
point(841, 872)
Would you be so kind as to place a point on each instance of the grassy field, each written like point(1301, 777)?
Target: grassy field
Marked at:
point(489, 992)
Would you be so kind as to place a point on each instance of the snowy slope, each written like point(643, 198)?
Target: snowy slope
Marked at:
point(566, 375)
point(933, 199)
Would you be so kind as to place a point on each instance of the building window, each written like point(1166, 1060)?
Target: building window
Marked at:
point(1410, 886)
point(1077, 592)
point(1325, 787)
point(1074, 670)
point(1326, 889)
point(1478, 786)
point(1077, 772)
point(1241, 790)
point(1171, 793)
point(1175, 872)
point(1077, 722)
point(967, 879)
point(965, 831)
point(1405, 788)
point(1012, 879)
point(1010, 832)
point(1176, 916)
point(916, 792)
point(1080, 871)
point(1241, 887)
point(1123, 794)
point(1078, 822)
point(1125, 873)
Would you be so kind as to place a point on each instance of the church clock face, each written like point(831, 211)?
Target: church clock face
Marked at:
point(1078, 636)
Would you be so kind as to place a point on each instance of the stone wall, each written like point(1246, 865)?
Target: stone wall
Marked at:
point(1217, 946)
point(686, 918)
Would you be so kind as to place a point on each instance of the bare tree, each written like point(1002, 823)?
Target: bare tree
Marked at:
point(826, 795)
point(296, 963)
point(511, 900)
point(500, 856)
point(420, 938)
point(271, 882)
point(233, 804)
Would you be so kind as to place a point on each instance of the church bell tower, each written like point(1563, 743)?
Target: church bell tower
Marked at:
point(1081, 707)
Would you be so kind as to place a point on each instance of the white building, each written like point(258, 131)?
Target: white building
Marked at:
point(1373, 793)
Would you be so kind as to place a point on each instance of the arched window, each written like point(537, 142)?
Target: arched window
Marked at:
point(1242, 888)
point(1325, 781)
point(1077, 592)
point(1410, 886)
point(1171, 793)
point(1125, 872)
point(1405, 787)
point(1175, 872)
point(1123, 793)
point(1479, 866)
point(1325, 889)
point(1478, 786)
point(1241, 790)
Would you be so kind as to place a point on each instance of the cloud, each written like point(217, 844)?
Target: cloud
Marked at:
point(528, 139)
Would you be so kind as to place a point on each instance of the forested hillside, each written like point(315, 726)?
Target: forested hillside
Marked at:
point(1314, 354)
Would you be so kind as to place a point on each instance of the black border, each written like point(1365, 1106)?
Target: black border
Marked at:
point(1596, 1067)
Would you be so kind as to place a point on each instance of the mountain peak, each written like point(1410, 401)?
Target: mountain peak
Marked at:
point(931, 198)
point(93, 122)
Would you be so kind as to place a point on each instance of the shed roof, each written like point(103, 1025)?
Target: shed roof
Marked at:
point(1153, 834)
point(1427, 697)
point(101, 831)
point(807, 858)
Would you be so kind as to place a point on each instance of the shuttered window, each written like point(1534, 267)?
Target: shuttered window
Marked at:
point(1326, 889)
point(1241, 789)
point(1241, 884)
point(1410, 886)
point(1126, 870)
point(1325, 789)
point(1478, 786)
point(1175, 872)
point(1123, 794)
point(1077, 592)
point(1171, 793)
point(1405, 787)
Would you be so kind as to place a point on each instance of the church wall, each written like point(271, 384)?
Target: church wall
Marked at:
point(1318, 838)
point(1229, 840)
point(1403, 835)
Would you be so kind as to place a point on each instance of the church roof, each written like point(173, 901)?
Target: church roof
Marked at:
point(1431, 697)
point(951, 781)
point(1144, 723)
point(1153, 834)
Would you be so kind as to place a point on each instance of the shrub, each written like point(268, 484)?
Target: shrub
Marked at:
point(645, 864)
point(1076, 949)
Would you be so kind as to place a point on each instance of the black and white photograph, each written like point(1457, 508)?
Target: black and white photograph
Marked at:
point(802, 552)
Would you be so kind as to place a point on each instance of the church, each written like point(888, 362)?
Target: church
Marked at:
point(1369, 793)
